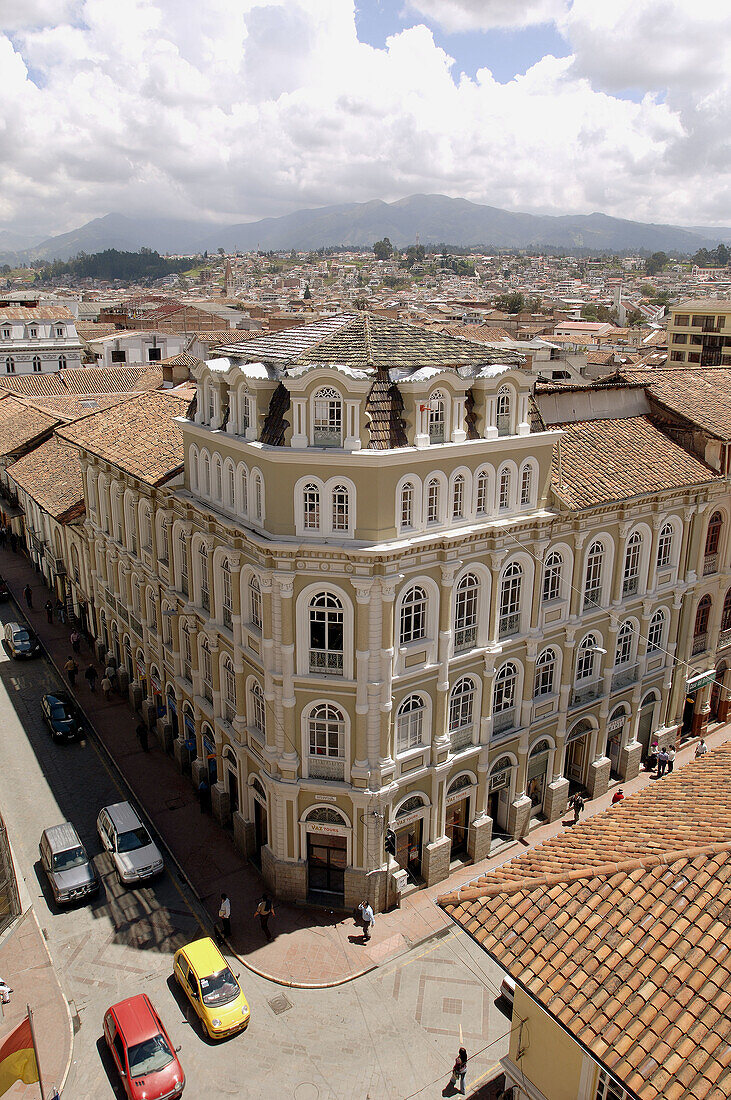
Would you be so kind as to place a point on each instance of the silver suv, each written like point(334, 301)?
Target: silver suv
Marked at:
point(134, 854)
point(70, 872)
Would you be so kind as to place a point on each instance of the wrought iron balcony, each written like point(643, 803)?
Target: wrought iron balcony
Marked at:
point(464, 638)
point(504, 720)
point(710, 564)
point(462, 738)
point(326, 767)
point(509, 624)
point(326, 662)
point(624, 676)
point(724, 638)
point(700, 643)
point(584, 694)
point(630, 586)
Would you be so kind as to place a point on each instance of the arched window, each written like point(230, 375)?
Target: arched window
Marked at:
point(726, 613)
point(594, 571)
point(656, 631)
point(481, 502)
point(146, 527)
point(183, 560)
point(504, 688)
point(326, 731)
point(255, 602)
point(340, 509)
point(407, 504)
point(700, 628)
point(586, 658)
point(217, 478)
point(413, 615)
point(37, 365)
point(186, 651)
point(227, 595)
point(229, 689)
point(632, 556)
point(510, 593)
point(526, 485)
point(552, 577)
point(458, 497)
point(410, 723)
point(326, 634)
point(311, 495)
point(713, 541)
point(244, 490)
point(257, 710)
point(62, 362)
point(504, 410)
point(545, 673)
point(625, 644)
point(203, 569)
point(207, 670)
point(211, 403)
point(437, 417)
point(152, 620)
point(465, 612)
point(504, 495)
point(258, 497)
point(665, 546)
point(462, 713)
point(205, 480)
point(10, 365)
point(230, 485)
point(327, 423)
point(433, 506)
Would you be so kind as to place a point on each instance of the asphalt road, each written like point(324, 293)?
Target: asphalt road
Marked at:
point(391, 1034)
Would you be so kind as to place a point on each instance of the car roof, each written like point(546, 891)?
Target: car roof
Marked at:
point(136, 1018)
point(123, 816)
point(12, 627)
point(62, 837)
point(58, 697)
point(204, 956)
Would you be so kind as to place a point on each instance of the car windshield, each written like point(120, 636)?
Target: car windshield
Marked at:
point(150, 1056)
point(60, 712)
point(73, 857)
point(21, 636)
point(219, 988)
point(134, 839)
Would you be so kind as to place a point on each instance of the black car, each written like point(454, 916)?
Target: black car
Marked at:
point(62, 715)
point(4, 591)
point(20, 641)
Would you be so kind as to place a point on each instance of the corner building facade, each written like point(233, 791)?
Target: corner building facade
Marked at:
point(373, 610)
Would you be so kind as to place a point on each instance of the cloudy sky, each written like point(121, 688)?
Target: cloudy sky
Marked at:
point(230, 110)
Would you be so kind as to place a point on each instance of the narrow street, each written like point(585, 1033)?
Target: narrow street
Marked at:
point(391, 1034)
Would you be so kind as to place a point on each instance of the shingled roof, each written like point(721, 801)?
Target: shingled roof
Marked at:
point(51, 476)
point(600, 461)
point(700, 394)
point(621, 929)
point(363, 341)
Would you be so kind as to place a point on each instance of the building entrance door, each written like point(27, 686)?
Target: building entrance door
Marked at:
point(408, 847)
point(457, 826)
point(575, 758)
point(326, 862)
point(261, 831)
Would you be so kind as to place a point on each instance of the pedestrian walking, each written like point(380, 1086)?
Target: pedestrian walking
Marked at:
point(110, 659)
point(652, 757)
point(264, 911)
point(5, 992)
point(75, 640)
point(60, 611)
point(367, 918)
point(106, 688)
point(224, 913)
point(204, 794)
point(701, 748)
point(111, 672)
point(618, 796)
point(3, 537)
point(577, 804)
point(671, 760)
point(28, 593)
point(90, 675)
point(13, 541)
point(49, 611)
point(142, 734)
point(459, 1070)
point(71, 669)
point(662, 762)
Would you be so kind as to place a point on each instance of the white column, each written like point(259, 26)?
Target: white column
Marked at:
point(299, 434)
point(458, 412)
point(352, 436)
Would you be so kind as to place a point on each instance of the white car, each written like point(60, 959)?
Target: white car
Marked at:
point(134, 854)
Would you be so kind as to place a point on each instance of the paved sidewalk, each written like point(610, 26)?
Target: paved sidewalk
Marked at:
point(27, 968)
point(311, 946)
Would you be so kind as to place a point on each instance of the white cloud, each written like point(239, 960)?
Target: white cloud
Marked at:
point(482, 15)
point(233, 110)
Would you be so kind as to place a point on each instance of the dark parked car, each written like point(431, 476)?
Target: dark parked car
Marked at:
point(4, 591)
point(62, 715)
point(20, 641)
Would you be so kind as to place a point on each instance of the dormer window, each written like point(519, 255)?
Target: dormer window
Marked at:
point(7, 333)
point(437, 416)
point(504, 411)
point(33, 333)
point(327, 423)
point(59, 330)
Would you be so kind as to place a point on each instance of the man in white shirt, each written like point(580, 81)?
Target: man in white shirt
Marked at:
point(367, 918)
point(225, 914)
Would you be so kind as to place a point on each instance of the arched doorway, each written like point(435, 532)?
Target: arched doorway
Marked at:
point(209, 752)
point(536, 775)
point(408, 826)
point(457, 821)
point(498, 796)
point(646, 722)
point(615, 732)
point(577, 752)
point(328, 834)
point(231, 771)
point(260, 817)
point(717, 693)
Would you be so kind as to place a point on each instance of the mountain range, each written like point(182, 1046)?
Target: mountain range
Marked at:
point(434, 218)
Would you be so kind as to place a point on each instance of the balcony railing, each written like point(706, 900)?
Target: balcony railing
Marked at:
point(135, 624)
point(326, 662)
point(583, 694)
point(700, 643)
point(710, 564)
point(503, 424)
point(724, 638)
point(229, 711)
point(228, 621)
point(326, 437)
point(504, 720)
point(509, 624)
point(462, 738)
point(324, 767)
point(592, 597)
point(624, 676)
point(465, 637)
point(630, 586)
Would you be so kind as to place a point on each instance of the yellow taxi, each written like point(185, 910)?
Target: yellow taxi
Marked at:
point(212, 989)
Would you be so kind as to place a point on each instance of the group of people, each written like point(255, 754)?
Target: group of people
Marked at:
point(9, 538)
point(264, 911)
point(52, 608)
point(662, 759)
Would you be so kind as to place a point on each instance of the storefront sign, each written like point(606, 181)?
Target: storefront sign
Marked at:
point(452, 798)
point(328, 830)
point(408, 819)
point(699, 681)
point(616, 724)
point(325, 798)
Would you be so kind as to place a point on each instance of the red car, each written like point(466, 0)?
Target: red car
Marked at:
point(142, 1051)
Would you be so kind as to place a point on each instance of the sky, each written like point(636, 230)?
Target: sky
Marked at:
point(230, 110)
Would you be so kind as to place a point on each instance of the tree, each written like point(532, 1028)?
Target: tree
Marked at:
point(635, 318)
point(656, 263)
point(307, 294)
point(383, 249)
point(510, 303)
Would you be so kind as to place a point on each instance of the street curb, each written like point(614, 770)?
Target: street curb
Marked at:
point(64, 1078)
point(299, 985)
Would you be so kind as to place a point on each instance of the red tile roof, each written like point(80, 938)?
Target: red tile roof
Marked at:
point(51, 475)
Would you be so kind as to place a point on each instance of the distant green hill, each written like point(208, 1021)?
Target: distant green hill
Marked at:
point(113, 264)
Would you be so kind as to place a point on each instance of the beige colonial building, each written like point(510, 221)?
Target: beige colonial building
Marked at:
point(362, 586)
point(699, 332)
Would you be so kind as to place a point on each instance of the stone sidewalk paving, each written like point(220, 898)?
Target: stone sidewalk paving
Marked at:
point(312, 946)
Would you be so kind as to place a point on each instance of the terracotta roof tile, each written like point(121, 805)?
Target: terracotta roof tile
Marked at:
point(21, 424)
point(699, 394)
point(51, 475)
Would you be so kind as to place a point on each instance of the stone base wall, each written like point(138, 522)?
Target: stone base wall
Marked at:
point(435, 863)
point(361, 886)
point(630, 759)
point(286, 879)
point(519, 817)
point(135, 695)
point(198, 771)
point(244, 835)
point(165, 736)
point(597, 781)
point(556, 800)
point(182, 756)
point(221, 804)
point(478, 839)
